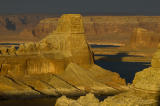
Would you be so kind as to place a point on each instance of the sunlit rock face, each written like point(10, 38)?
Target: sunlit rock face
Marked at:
point(144, 38)
point(60, 64)
point(149, 79)
point(66, 44)
point(69, 38)
point(115, 29)
point(112, 29)
point(123, 99)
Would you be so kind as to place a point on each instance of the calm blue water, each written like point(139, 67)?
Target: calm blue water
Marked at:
point(9, 44)
point(126, 70)
point(102, 46)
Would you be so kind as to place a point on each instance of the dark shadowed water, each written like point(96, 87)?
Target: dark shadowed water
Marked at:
point(115, 63)
point(126, 70)
point(102, 46)
point(9, 44)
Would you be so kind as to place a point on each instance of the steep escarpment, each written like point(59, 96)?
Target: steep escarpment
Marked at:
point(110, 29)
point(19, 22)
point(19, 27)
point(45, 27)
point(105, 28)
point(60, 64)
point(144, 38)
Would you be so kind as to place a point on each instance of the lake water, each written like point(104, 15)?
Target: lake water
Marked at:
point(9, 44)
point(102, 46)
point(114, 63)
point(126, 70)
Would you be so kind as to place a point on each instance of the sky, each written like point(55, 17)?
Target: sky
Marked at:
point(80, 6)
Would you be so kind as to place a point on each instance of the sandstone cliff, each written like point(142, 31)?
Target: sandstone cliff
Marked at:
point(12, 25)
point(60, 64)
point(148, 79)
point(105, 29)
point(19, 22)
point(115, 29)
point(144, 38)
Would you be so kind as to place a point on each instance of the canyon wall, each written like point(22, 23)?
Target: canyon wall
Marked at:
point(109, 29)
point(15, 28)
point(20, 21)
point(144, 38)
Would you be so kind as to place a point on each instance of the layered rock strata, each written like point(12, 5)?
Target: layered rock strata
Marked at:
point(111, 29)
point(101, 29)
point(60, 64)
point(144, 38)
point(144, 91)
point(148, 79)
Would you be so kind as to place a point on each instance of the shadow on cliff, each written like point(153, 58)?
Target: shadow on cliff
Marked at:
point(126, 70)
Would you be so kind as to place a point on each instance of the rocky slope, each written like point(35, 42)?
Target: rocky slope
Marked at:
point(144, 91)
point(60, 64)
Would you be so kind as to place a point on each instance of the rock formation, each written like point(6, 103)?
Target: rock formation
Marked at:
point(88, 100)
point(45, 26)
point(18, 27)
point(60, 64)
point(110, 29)
point(144, 38)
point(123, 99)
point(148, 79)
point(106, 28)
point(144, 91)
point(67, 43)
